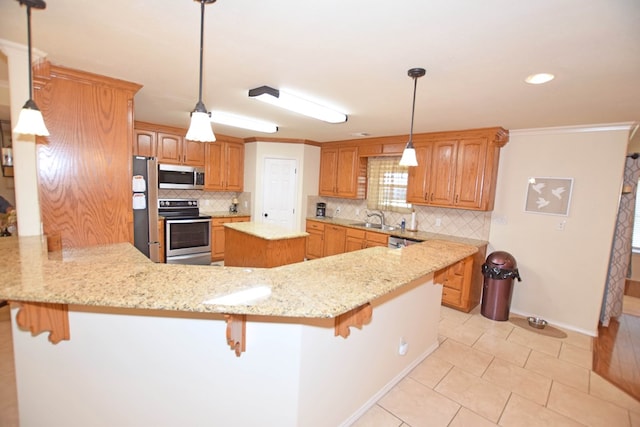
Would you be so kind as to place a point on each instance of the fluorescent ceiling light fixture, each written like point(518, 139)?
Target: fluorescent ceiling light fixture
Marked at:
point(540, 78)
point(293, 103)
point(243, 122)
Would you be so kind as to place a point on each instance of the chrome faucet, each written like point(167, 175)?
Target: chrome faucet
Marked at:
point(379, 214)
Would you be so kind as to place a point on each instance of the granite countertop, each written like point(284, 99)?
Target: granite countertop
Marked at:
point(265, 231)
point(120, 276)
point(416, 235)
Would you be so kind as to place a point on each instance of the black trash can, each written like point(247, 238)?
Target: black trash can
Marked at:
point(499, 270)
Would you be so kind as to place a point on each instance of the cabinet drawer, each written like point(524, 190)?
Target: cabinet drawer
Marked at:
point(355, 233)
point(313, 225)
point(451, 296)
point(241, 219)
point(219, 221)
point(377, 238)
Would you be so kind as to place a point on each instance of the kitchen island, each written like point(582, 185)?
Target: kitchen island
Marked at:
point(254, 244)
point(158, 344)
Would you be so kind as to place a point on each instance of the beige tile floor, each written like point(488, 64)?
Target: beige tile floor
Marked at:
point(484, 373)
point(489, 373)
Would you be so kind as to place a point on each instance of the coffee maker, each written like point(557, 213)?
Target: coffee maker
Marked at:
point(321, 210)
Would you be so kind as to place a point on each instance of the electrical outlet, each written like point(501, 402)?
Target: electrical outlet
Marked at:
point(560, 225)
point(337, 211)
point(438, 222)
point(357, 211)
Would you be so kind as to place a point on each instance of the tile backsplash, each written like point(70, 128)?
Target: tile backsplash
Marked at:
point(209, 200)
point(454, 222)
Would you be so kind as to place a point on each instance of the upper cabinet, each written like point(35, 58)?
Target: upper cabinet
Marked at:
point(339, 173)
point(457, 172)
point(167, 144)
point(224, 165)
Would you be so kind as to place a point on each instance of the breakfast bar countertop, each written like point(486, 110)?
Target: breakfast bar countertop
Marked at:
point(119, 276)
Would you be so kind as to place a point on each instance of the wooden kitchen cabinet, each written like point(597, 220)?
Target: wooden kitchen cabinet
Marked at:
point(457, 169)
point(339, 172)
point(462, 282)
point(355, 239)
point(373, 239)
point(224, 166)
point(167, 144)
point(144, 143)
point(335, 238)
point(217, 235)
point(161, 255)
point(315, 240)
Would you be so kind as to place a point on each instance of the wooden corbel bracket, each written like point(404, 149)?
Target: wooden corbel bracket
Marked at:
point(357, 317)
point(39, 317)
point(236, 332)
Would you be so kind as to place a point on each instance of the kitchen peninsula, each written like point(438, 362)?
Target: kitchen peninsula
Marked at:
point(254, 244)
point(157, 344)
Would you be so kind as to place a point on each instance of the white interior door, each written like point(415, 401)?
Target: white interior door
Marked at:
point(279, 192)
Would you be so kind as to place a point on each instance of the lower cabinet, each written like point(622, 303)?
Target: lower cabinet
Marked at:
point(217, 235)
point(335, 238)
point(329, 239)
point(315, 240)
point(462, 282)
point(161, 257)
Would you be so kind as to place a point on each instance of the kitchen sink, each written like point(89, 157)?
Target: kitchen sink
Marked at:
point(374, 226)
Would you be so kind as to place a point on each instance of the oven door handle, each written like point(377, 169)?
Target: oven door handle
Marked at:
point(190, 221)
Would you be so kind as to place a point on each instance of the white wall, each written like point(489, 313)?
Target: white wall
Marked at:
point(308, 159)
point(563, 271)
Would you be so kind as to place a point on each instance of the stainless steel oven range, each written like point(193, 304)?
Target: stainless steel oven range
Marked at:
point(187, 233)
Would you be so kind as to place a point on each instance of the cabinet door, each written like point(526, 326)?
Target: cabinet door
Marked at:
point(234, 166)
point(419, 176)
point(214, 171)
point(470, 169)
point(315, 240)
point(144, 143)
point(217, 238)
point(355, 240)
point(334, 240)
point(193, 152)
point(443, 170)
point(169, 148)
point(328, 171)
point(347, 173)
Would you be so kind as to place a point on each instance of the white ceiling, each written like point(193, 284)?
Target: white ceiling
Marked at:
point(354, 55)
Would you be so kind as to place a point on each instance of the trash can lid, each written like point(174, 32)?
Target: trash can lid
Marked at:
point(502, 259)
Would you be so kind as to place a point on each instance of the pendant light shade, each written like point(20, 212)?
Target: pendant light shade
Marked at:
point(409, 153)
point(30, 120)
point(200, 127)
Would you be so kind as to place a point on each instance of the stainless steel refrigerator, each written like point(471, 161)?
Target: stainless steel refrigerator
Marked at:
point(145, 206)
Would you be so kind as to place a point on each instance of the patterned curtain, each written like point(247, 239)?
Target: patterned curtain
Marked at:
point(621, 248)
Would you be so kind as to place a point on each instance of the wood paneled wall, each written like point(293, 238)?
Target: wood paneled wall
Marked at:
point(84, 166)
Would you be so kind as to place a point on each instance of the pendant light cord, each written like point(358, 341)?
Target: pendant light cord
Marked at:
point(29, 53)
point(413, 108)
point(202, 2)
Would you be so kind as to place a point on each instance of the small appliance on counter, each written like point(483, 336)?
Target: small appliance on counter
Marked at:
point(321, 210)
point(233, 208)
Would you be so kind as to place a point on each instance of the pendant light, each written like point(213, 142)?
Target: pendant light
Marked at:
point(409, 153)
point(30, 120)
point(200, 127)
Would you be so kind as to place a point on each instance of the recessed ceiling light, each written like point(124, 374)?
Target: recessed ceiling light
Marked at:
point(540, 78)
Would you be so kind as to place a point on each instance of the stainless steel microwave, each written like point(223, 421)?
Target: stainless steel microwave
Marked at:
point(179, 177)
